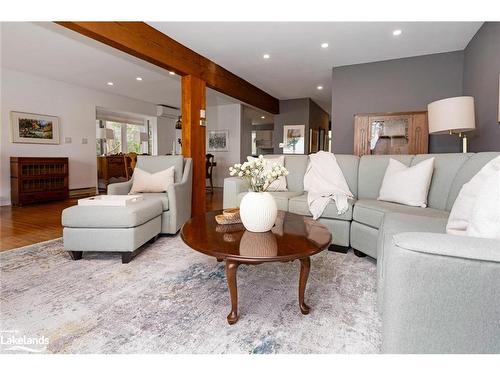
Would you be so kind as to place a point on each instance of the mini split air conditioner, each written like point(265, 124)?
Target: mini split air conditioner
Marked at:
point(167, 111)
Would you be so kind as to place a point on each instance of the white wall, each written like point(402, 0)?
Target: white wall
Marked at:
point(166, 134)
point(76, 108)
point(224, 117)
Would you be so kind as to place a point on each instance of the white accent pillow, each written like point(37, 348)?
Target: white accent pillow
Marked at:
point(478, 202)
point(407, 185)
point(280, 183)
point(145, 182)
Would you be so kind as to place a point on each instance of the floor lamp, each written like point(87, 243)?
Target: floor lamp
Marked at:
point(452, 116)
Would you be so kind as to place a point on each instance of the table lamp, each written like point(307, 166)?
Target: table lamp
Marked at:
point(143, 137)
point(105, 134)
point(452, 116)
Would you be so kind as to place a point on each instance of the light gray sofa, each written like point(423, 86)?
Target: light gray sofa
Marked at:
point(436, 292)
point(176, 202)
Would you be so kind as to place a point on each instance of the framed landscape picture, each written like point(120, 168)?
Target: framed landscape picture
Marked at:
point(294, 139)
point(218, 140)
point(34, 128)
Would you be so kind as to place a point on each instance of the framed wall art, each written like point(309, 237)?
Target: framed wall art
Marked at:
point(218, 140)
point(294, 139)
point(34, 128)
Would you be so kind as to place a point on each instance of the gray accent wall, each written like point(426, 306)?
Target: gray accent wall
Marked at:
point(481, 71)
point(292, 112)
point(407, 84)
point(303, 111)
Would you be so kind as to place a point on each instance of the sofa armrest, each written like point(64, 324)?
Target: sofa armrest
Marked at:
point(395, 223)
point(120, 188)
point(179, 198)
point(232, 187)
point(441, 294)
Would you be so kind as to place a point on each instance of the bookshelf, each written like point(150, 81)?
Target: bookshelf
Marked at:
point(37, 179)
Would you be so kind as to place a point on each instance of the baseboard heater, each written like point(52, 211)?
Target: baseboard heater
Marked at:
point(82, 192)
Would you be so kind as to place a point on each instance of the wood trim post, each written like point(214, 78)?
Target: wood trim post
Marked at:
point(193, 137)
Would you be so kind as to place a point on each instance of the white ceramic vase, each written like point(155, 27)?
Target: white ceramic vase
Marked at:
point(258, 211)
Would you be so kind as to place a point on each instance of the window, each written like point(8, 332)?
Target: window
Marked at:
point(126, 138)
point(115, 144)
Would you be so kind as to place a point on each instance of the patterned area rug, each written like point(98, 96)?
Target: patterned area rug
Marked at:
point(171, 299)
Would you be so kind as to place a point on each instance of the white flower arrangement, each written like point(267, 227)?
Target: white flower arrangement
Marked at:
point(259, 177)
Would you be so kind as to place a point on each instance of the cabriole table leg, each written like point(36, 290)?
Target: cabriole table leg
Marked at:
point(231, 268)
point(305, 266)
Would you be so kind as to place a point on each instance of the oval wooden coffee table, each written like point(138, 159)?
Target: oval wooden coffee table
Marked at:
point(292, 237)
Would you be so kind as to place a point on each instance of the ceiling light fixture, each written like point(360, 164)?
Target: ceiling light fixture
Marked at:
point(324, 45)
point(320, 87)
point(397, 32)
point(171, 73)
point(138, 78)
point(266, 56)
point(262, 117)
point(110, 83)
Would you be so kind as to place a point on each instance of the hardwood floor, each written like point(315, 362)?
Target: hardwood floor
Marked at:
point(22, 226)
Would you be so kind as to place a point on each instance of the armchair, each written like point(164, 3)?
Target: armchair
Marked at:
point(176, 201)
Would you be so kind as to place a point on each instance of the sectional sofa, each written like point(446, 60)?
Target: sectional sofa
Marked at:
point(436, 292)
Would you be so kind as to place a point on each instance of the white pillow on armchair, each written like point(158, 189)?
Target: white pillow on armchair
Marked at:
point(145, 182)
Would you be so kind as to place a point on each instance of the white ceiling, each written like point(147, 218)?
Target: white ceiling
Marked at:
point(52, 51)
point(298, 64)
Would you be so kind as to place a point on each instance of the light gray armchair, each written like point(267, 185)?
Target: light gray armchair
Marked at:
point(176, 201)
point(441, 294)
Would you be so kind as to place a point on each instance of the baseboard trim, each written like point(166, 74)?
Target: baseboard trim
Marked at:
point(82, 192)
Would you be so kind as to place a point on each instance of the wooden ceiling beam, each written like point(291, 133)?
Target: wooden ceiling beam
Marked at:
point(146, 43)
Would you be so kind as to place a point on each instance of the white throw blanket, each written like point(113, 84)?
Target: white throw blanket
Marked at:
point(324, 181)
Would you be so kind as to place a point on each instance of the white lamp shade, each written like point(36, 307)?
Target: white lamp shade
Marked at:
point(105, 133)
point(452, 114)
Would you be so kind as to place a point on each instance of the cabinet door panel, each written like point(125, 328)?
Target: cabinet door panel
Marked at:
point(419, 134)
point(361, 136)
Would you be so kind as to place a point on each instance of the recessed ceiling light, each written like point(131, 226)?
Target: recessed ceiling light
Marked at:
point(324, 45)
point(266, 56)
point(138, 78)
point(320, 87)
point(171, 73)
point(262, 117)
point(110, 83)
point(397, 32)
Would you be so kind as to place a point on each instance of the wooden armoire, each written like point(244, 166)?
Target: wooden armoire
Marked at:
point(391, 133)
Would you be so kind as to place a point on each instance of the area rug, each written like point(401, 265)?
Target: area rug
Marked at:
point(171, 299)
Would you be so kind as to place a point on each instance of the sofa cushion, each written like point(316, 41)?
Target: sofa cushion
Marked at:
point(129, 216)
point(446, 167)
point(298, 205)
point(407, 185)
point(296, 166)
point(371, 212)
point(281, 198)
point(371, 172)
point(162, 197)
point(349, 165)
point(468, 170)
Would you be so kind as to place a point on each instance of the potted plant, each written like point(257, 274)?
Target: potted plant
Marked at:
point(258, 209)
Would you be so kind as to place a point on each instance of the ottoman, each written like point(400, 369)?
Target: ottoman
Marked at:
point(121, 229)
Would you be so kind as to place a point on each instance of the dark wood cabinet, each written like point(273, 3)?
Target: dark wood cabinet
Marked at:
point(34, 179)
point(108, 167)
point(391, 133)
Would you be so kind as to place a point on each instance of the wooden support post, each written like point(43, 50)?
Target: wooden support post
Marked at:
point(193, 137)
